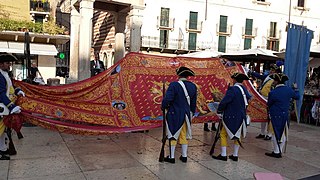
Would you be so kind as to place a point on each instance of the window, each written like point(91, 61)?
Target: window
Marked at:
point(273, 29)
point(222, 44)
point(193, 20)
point(248, 31)
point(273, 45)
point(300, 3)
point(222, 28)
point(164, 17)
point(164, 38)
point(223, 23)
point(192, 44)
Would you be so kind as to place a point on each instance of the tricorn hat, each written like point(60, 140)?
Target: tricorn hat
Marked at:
point(184, 72)
point(239, 77)
point(274, 67)
point(280, 77)
point(6, 57)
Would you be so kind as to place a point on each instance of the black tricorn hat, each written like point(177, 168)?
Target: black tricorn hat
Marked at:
point(184, 72)
point(6, 57)
point(239, 77)
point(275, 67)
point(280, 77)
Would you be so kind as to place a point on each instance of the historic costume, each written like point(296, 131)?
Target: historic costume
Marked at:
point(180, 102)
point(278, 104)
point(232, 108)
point(7, 97)
point(264, 90)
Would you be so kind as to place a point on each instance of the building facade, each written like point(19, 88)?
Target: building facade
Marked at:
point(224, 25)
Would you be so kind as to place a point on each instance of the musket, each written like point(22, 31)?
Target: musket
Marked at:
point(12, 149)
point(164, 134)
point(217, 136)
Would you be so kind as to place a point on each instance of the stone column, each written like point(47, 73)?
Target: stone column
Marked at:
point(85, 38)
point(135, 16)
point(74, 45)
point(119, 47)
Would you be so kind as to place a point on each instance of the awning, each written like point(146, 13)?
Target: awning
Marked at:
point(35, 49)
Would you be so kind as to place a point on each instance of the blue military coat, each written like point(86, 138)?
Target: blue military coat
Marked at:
point(278, 104)
point(3, 93)
point(178, 108)
point(234, 110)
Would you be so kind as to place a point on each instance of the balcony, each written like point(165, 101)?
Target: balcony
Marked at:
point(228, 31)
point(176, 44)
point(165, 24)
point(252, 35)
point(39, 6)
point(197, 29)
point(261, 2)
point(273, 35)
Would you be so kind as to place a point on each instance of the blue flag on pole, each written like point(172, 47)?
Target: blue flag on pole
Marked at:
point(297, 58)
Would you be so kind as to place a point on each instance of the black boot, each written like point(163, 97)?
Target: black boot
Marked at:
point(205, 127)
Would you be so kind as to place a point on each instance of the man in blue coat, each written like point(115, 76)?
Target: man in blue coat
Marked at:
point(7, 97)
point(232, 109)
point(180, 102)
point(278, 104)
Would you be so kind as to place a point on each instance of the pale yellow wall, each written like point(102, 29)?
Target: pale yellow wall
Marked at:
point(47, 68)
point(17, 9)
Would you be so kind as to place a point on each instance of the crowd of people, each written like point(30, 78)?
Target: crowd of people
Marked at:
point(180, 105)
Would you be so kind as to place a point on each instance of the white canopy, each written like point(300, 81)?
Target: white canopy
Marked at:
point(35, 49)
point(251, 54)
point(203, 54)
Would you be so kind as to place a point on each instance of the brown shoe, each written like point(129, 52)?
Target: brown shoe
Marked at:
point(219, 157)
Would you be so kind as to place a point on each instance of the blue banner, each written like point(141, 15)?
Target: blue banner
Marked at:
point(297, 58)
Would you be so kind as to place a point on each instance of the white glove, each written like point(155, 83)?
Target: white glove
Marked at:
point(220, 116)
point(21, 93)
point(16, 110)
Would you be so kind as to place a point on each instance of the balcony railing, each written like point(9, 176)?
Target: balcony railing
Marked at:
point(248, 35)
point(179, 44)
point(228, 31)
point(274, 35)
point(198, 29)
point(40, 5)
point(168, 26)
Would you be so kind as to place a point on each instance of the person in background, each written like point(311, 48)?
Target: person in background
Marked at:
point(180, 101)
point(264, 90)
point(96, 65)
point(232, 110)
point(278, 104)
point(7, 96)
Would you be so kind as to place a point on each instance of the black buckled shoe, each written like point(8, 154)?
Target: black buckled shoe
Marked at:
point(169, 160)
point(267, 138)
point(234, 158)
point(260, 136)
point(273, 154)
point(4, 157)
point(183, 159)
point(219, 157)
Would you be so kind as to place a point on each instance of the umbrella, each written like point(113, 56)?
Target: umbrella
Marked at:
point(252, 55)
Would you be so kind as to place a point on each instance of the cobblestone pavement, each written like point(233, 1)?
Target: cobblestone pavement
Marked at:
point(44, 154)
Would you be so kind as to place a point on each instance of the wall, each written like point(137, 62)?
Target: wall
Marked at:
point(17, 9)
point(237, 12)
point(47, 68)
